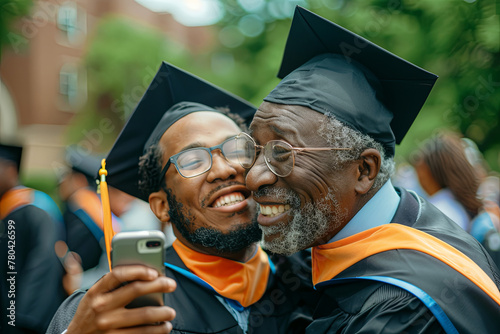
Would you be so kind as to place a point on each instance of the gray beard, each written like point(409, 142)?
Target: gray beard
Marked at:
point(309, 225)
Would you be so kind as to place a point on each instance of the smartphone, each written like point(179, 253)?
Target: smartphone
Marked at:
point(140, 247)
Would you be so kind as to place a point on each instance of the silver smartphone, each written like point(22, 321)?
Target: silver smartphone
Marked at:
point(140, 247)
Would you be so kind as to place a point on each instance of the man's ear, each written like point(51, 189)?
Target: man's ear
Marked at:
point(159, 205)
point(368, 168)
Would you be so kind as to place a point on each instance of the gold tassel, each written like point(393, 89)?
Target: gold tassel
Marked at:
point(106, 210)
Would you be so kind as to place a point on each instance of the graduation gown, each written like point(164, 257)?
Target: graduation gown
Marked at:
point(83, 233)
point(38, 280)
point(368, 306)
point(84, 227)
point(280, 310)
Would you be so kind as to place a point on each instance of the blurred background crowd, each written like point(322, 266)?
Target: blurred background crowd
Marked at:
point(71, 72)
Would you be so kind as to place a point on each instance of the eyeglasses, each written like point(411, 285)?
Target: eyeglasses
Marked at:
point(196, 161)
point(278, 155)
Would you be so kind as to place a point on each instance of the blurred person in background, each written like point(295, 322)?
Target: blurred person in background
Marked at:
point(83, 218)
point(31, 278)
point(489, 182)
point(82, 212)
point(36, 197)
point(447, 169)
point(448, 178)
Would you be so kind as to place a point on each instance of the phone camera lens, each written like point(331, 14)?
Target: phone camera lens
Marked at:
point(151, 244)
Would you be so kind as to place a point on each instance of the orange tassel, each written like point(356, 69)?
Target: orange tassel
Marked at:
point(106, 211)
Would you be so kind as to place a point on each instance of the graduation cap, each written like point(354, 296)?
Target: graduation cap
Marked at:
point(172, 94)
point(83, 162)
point(334, 71)
point(11, 153)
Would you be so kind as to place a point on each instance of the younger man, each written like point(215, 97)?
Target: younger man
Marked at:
point(191, 176)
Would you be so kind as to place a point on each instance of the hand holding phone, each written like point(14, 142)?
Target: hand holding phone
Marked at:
point(140, 247)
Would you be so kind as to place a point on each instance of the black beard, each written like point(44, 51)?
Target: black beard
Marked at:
point(234, 241)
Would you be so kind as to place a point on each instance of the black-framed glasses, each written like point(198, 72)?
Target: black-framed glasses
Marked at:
point(196, 161)
point(279, 155)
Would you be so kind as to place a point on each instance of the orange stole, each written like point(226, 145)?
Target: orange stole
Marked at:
point(331, 259)
point(13, 199)
point(90, 202)
point(244, 282)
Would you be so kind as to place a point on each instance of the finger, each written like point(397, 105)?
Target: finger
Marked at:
point(125, 294)
point(72, 264)
point(142, 316)
point(61, 248)
point(122, 274)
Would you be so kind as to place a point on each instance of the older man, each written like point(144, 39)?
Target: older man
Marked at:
point(189, 173)
point(320, 156)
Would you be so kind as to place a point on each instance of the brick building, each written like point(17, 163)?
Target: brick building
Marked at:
point(42, 82)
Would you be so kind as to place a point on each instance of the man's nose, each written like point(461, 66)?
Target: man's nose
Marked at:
point(222, 169)
point(259, 176)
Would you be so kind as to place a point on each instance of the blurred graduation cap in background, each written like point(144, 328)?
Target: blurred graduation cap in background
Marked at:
point(12, 153)
point(83, 162)
point(172, 94)
point(333, 71)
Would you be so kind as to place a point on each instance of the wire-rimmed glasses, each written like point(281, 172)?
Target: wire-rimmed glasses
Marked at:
point(279, 155)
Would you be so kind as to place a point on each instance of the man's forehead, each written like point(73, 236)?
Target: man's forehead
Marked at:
point(203, 123)
point(191, 132)
point(284, 119)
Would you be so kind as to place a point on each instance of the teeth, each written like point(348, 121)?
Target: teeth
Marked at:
point(229, 200)
point(273, 210)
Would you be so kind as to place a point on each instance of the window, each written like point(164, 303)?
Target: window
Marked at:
point(72, 86)
point(71, 21)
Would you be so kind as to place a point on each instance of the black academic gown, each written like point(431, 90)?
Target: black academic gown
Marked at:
point(79, 236)
point(371, 307)
point(280, 310)
point(38, 273)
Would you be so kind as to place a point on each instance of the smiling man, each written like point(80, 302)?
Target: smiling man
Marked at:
point(181, 156)
point(320, 156)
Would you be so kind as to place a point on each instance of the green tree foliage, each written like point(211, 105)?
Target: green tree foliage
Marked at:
point(122, 59)
point(456, 39)
point(9, 11)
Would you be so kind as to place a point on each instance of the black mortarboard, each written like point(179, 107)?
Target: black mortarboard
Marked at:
point(83, 162)
point(11, 153)
point(172, 94)
point(332, 70)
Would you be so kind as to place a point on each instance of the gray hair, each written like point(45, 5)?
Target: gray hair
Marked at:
point(337, 134)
